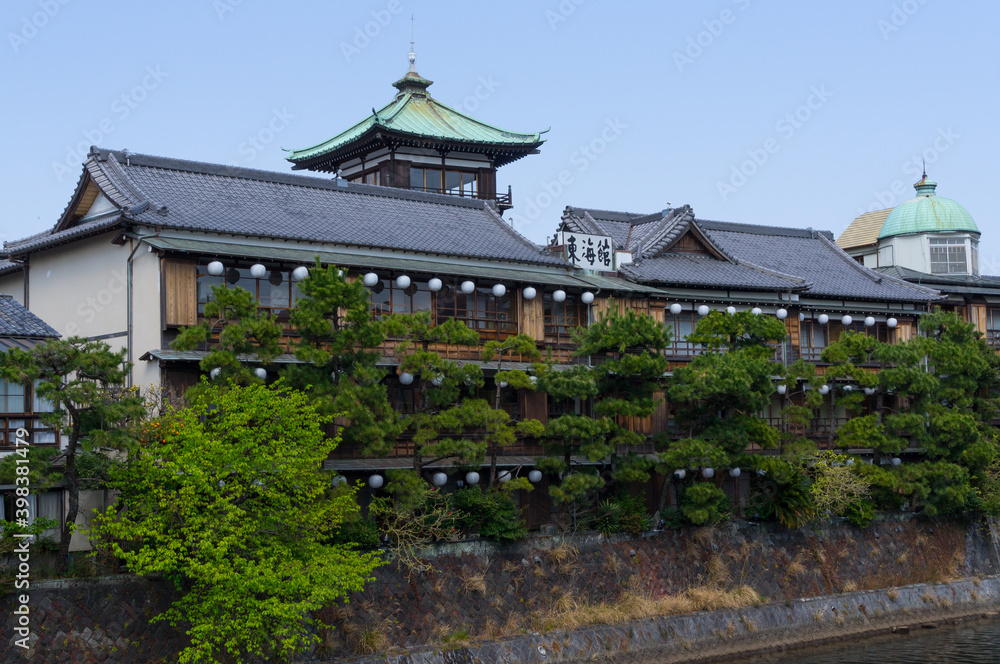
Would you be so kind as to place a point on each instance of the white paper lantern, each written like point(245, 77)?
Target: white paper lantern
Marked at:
point(214, 373)
point(869, 391)
point(892, 322)
point(896, 461)
point(782, 389)
point(375, 481)
point(824, 389)
point(559, 296)
point(467, 287)
point(846, 320)
point(730, 310)
point(587, 297)
point(437, 380)
point(370, 279)
point(708, 473)
point(260, 372)
point(499, 290)
point(434, 284)
point(823, 319)
point(533, 379)
point(529, 293)
point(802, 316)
point(535, 476)
point(257, 271)
point(502, 384)
point(439, 479)
point(472, 477)
point(334, 376)
point(216, 268)
point(850, 462)
point(338, 480)
point(405, 378)
point(676, 308)
point(402, 281)
point(680, 473)
point(504, 476)
point(300, 273)
point(734, 472)
point(703, 310)
point(869, 321)
point(848, 388)
point(782, 314)
point(756, 311)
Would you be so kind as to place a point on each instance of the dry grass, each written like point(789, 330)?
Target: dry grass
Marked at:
point(368, 640)
point(903, 557)
point(473, 582)
point(718, 571)
point(705, 535)
point(612, 565)
point(511, 567)
point(563, 553)
point(893, 595)
point(570, 613)
point(796, 568)
point(850, 587)
point(928, 598)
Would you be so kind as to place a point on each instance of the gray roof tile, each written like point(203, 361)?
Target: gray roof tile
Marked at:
point(16, 321)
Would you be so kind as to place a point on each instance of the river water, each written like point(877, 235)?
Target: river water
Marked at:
point(975, 643)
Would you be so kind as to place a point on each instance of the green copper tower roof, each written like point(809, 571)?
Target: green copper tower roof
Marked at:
point(927, 213)
point(416, 119)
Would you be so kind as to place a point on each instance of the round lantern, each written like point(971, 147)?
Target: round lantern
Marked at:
point(824, 389)
point(334, 376)
point(258, 271)
point(533, 379)
point(708, 473)
point(434, 284)
point(734, 472)
point(260, 372)
point(869, 321)
point(823, 319)
point(782, 314)
point(846, 320)
point(499, 290)
point(338, 480)
point(535, 476)
point(375, 481)
point(892, 322)
point(502, 384)
point(529, 293)
point(300, 273)
point(559, 296)
point(437, 380)
point(896, 461)
point(756, 311)
point(703, 310)
point(439, 479)
point(848, 388)
point(680, 473)
point(472, 477)
point(405, 378)
point(504, 476)
point(587, 297)
point(869, 391)
point(802, 316)
point(782, 389)
point(730, 310)
point(676, 308)
point(467, 287)
point(403, 281)
point(850, 462)
point(214, 373)
point(216, 268)
point(370, 279)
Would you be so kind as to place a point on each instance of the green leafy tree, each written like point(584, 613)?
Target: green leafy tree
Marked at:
point(338, 342)
point(627, 349)
point(246, 336)
point(92, 409)
point(227, 498)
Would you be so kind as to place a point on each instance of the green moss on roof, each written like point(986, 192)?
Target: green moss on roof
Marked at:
point(927, 213)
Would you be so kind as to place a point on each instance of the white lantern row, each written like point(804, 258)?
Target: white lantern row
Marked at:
point(257, 271)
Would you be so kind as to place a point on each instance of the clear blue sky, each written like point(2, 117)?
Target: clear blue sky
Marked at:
point(668, 98)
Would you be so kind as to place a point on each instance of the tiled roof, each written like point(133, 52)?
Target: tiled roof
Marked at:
point(214, 198)
point(863, 230)
point(752, 256)
point(948, 283)
point(16, 321)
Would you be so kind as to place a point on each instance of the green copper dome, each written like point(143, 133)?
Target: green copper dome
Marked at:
point(927, 213)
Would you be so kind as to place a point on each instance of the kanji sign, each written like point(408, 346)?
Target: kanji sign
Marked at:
point(590, 252)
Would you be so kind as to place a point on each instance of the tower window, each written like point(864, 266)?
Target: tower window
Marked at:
point(948, 256)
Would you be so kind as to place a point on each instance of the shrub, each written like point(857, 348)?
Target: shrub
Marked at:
point(705, 503)
point(861, 514)
point(491, 513)
point(673, 518)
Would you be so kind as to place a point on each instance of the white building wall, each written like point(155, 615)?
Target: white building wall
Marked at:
point(13, 284)
point(146, 316)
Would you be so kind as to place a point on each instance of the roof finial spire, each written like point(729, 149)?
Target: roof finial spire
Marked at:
point(924, 161)
point(412, 55)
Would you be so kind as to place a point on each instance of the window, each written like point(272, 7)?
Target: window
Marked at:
point(493, 317)
point(275, 291)
point(993, 327)
point(813, 339)
point(561, 318)
point(388, 298)
point(369, 177)
point(948, 256)
point(681, 326)
point(12, 397)
point(885, 256)
point(456, 183)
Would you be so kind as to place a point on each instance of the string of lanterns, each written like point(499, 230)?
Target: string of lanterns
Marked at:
point(781, 314)
point(439, 478)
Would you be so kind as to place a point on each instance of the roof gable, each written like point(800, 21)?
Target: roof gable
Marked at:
point(863, 231)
